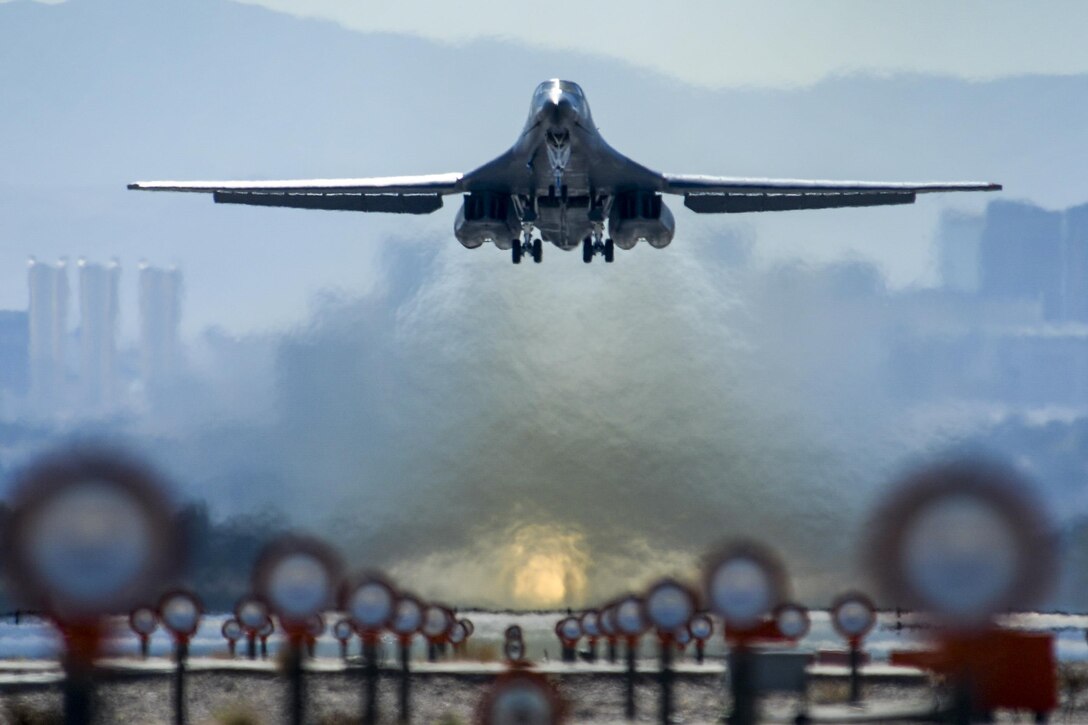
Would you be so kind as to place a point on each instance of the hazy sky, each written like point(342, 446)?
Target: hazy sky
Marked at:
point(715, 43)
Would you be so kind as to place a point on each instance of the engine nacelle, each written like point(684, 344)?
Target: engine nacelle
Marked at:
point(486, 216)
point(640, 216)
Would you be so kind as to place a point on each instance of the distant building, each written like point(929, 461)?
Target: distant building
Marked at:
point(1021, 255)
point(1075, 264)
point(98, 313)
point(14, 352)
point(958, 240)
point(160, 318)
point(48, 330)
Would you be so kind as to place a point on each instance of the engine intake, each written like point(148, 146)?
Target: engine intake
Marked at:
point(486, 216)
point(640, 216)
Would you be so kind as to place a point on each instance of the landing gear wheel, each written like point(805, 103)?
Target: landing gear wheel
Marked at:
point(609, 250)
point(587, 250)
point(515, 251)
point(538, 251)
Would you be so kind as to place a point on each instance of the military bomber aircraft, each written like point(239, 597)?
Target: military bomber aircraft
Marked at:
point(563, 181)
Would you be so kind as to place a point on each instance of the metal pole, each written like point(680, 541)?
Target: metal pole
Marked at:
point(700, 651)
point(666, 680)
point(296, 704)
point(405, 680)
point(181, 652)
point(145, 645)
point(370, 670)
point(251, 645)
point(744, 695)
point(629, 693)
point(78, 691)
point(855, 672)
point(612, 654)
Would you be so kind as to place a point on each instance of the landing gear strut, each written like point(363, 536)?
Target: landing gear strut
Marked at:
point(592, 247)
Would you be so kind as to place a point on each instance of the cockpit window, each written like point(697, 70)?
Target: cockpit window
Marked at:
point(567, 87)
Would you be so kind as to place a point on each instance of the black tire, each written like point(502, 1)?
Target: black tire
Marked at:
point(609, 251)
point(587, 250)
point(538, 251)
point(515, 252)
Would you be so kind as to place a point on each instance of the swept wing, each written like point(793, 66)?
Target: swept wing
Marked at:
point(730, 195)
point(395, 194)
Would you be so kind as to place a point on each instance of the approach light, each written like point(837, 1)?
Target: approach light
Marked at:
point(853, 615)
point(298, 577)
point(743, 583)
point(458, 634)
point(470, 628)
point(569, 630)
point(437, 620)
point(89, 534)
point(792, 620)
point(963, 541)
point(682, 636)
point(143, 621)
point(370, 602)
point(232, 632)
point(702, 627)
point(521, 698)
point(251, 613)
point(180, 612)
point(668, 606)
point(407, 616)
point(590, 623)
point(629, 618)
point(343, 631)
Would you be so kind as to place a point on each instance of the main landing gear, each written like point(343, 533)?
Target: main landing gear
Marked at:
point(591, 247)
point(519, 249)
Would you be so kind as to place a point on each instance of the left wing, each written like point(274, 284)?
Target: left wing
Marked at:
point(395, 194)
point(720, 194)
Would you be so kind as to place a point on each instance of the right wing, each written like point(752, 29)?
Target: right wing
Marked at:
point(718, 194)
point(395, 194)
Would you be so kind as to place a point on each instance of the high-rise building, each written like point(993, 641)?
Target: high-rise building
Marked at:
point(160, 317)
point(14, 352)
point(1020, 255)
point(48, 330)
point(98, 311)
point(958, 238)
point(1075, 264)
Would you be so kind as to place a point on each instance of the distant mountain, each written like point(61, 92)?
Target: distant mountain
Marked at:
point(100, 92)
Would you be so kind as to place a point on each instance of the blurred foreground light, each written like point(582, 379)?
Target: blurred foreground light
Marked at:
point(298, 576)
point(630, 620)
point(669, 605)
point(606, 621)
point(407, 616)
point(437, 620)
point(370, 602)
point(458, 633)
point(853, 615)
point(343, 630)
point(743, 583)
point(315, 626)
point(792, 620)
point(590, 623)
point(180, 612)
point(89, 534)
point(143, 621)
point(521, 698)
point(470, 628)
point(267, 629)
point(962, 541)
point(251, 613)
point(569, 629)
point(701, 627)
point(231, 630)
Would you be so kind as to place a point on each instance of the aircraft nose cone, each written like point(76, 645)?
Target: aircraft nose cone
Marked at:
point(561, 110)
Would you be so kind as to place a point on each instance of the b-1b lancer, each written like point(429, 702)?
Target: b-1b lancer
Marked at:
point(562, 180)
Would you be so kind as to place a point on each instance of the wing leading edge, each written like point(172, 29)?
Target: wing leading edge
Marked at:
point(717, 195)
point(393, 194)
